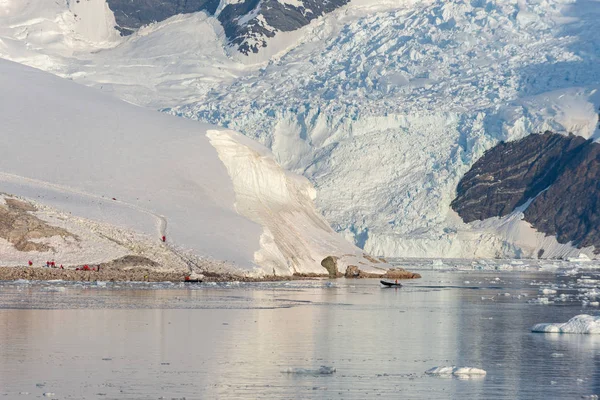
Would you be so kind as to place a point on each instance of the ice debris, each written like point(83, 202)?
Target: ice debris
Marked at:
point(322, 370)
point(582, 324)
point(456, 371)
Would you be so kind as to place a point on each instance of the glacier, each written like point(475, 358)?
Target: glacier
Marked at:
point(121, 177)
point(401, 103)
point(383, 106)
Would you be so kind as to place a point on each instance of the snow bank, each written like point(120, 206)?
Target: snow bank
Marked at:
point(75, 150)
point(456, 371)
point(583, 324)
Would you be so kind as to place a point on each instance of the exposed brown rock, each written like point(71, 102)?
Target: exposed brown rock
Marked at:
point(558, 173)
point(400, 273)
point(352, 271)
point(127, 275)
point(394, 273)
point(511, 173)
point(18, 226)
point(129, 262)
point(372, 259)
point(330, 264)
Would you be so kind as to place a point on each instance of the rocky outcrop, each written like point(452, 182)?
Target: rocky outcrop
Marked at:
point(130, 15)
point(352, 271)
point(330, 264)
point(394, 273)
point(559, 175)
point(247, 24)
point(510, 174)
point(400, 273)
point(570, 208)
point(22, 228)
point(268, 17)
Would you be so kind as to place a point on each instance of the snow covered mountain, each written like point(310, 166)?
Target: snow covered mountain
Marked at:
point(248, 24)
point(110, 179)
point(384, 106)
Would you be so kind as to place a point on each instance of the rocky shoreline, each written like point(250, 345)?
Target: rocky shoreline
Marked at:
point(153, 275)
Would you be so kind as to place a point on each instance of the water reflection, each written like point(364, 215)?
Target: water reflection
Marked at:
point(235, 342)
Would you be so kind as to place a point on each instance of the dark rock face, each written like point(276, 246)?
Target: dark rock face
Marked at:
point(559, 174)
point(247, 24)
point(268, 17)
point(132, 14)
point(570, 208)
point(511, 173)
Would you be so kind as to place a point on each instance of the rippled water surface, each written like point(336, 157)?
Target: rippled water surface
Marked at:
point(241, 341)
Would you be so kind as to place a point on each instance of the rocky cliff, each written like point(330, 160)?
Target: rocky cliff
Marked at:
point(555, 178)
point(131, 15)
point(247, 24)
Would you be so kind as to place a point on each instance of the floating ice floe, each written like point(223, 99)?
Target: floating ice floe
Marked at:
point(541, 300)
point(456, 371)
point(54, 289)
point(582, 324)
point(322, 370)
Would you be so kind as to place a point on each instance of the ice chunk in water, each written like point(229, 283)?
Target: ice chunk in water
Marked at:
point(322, 370)
point(456, 371)
point(583, 323)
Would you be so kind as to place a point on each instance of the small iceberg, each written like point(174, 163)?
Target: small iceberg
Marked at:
point(582, 324)
point(322, 370)
point(580, 258)
point(547, 291)
point(456, 371)
point(54, 289)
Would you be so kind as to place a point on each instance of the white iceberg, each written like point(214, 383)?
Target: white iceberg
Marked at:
point(456, 371)
point(582, 324)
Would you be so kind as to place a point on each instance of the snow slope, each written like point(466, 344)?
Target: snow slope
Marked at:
point(80, 152)
point(382, 105)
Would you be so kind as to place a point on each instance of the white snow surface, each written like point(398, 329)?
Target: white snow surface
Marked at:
point(582, 324)
point(382, 105)
point(91, 156)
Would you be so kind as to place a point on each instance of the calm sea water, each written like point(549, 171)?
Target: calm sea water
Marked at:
point(236, 341)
